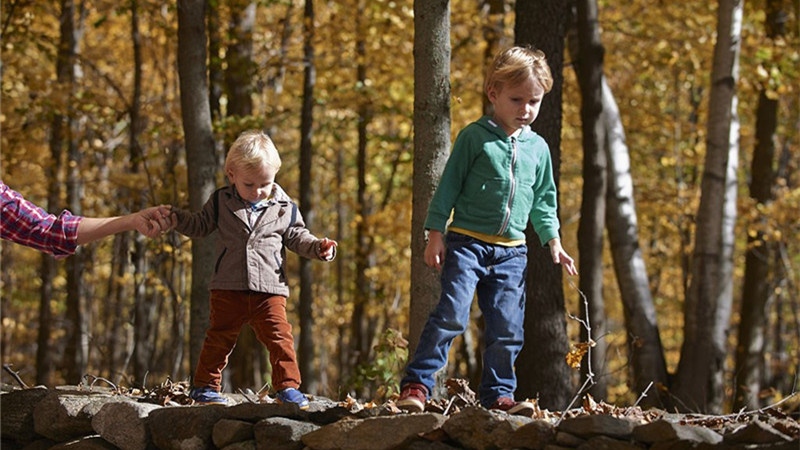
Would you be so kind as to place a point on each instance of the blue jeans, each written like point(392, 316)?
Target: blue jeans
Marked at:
point(497, 273)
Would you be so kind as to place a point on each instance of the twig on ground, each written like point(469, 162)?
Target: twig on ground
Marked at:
point(15, 375)
point(643, 395)
point(589, 382)
point(95, 379)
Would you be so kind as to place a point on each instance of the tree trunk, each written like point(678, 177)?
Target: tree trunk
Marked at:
point(431, 147)
point(200, 155)
point(750, 347)
point(589, 68)
point(493, 29)
point(306, 352)
point(644, 347)
point(143, 303)
point(215, 72)
point(699, 381)
point(49, 267)
point(361, 336)
point(541, 370)
point(76, 352)
point(239, 56)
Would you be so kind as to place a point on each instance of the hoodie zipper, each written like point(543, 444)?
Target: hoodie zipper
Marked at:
point(513, 187)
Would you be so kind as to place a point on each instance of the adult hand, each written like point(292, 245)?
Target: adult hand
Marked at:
point(154, 221)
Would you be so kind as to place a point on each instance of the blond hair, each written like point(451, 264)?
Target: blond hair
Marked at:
point(252, 149)
point(514, 65)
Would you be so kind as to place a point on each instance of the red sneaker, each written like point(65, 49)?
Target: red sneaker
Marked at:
point(512, 407)
point(412, 398)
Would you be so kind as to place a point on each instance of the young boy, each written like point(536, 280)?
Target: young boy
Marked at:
point(257, 221)
point(498, 176)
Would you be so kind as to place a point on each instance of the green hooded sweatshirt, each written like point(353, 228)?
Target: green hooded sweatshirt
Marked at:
point(493, 185)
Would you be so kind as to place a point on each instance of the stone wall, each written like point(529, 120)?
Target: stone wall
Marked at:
point(74, 418)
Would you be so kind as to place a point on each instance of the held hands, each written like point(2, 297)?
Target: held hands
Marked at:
point(561, 257)
point(327, 249)
point(434, 251)
point(154, 221)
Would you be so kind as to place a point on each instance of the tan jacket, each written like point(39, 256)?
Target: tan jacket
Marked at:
point(250, 259)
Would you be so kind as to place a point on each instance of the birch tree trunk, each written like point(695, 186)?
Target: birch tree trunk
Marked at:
point(200, 156)
point(589, 68)
point(749, 370)
point(431, 146)
point(644, 346)
point(699, 380)
point(541, 370)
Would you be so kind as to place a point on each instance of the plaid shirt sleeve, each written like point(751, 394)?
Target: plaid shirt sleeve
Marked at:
point(25, 223)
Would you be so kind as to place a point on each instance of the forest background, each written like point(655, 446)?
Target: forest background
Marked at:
point(94, 120)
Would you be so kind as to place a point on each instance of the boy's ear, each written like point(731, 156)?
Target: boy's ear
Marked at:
point(491, 94)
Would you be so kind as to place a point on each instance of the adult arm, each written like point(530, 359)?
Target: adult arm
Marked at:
point(150, 222)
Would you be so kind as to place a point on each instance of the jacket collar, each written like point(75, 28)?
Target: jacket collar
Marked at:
point(488, 123)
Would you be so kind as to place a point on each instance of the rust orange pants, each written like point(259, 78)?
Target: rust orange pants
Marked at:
point(266, 314)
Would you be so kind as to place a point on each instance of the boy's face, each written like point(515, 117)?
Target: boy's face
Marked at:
point(253, 183)
point(516, 106)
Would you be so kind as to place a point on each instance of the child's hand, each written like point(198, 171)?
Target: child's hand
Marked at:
point(154, 221)
point(327, 249)
point(561, 257)
point(434, 251)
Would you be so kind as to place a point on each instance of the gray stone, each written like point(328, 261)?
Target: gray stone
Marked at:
point(597, 425)
point(280, 433)
point(61, 414)
point(256, 411)
point(229, 431)
point(536, 434)
point(568, 439)
point(477, 428)
point(756, 432)
point(244, 445)
point(557, 447)
point(184, 427)
point(124, 424)
point(85, 443)
point(607, 443)
point(39, 444)
point(371, 434)
point(665, 431)
point(16, 414)
point(689, 445)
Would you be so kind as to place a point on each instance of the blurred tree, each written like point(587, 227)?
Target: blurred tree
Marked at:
point(699, 380)
point(144, 302)
point(307, 346)
point(750, 344)
point(644, 344)
point(360, 334)
point(76, 352)
point(245, 364)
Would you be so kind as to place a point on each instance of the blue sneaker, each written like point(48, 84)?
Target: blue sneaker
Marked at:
point(207, 396)
point(292, 395)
